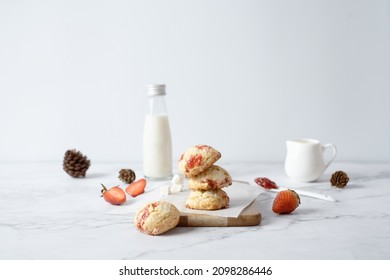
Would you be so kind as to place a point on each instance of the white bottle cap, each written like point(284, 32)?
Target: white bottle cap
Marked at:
point(156, 90)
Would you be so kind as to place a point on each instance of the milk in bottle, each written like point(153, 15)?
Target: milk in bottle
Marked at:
point(157, 142)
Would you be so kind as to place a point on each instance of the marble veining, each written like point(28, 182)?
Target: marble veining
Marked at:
point(45, 214)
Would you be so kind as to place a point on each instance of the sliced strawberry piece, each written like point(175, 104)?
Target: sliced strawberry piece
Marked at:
point(115, 195)
point(136, 188)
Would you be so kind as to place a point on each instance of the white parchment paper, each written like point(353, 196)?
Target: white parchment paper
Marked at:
point(240, 194)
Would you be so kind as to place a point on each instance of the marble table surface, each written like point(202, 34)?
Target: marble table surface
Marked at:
point(46, 214)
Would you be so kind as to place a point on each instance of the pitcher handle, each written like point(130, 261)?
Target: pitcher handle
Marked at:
point(324, 147)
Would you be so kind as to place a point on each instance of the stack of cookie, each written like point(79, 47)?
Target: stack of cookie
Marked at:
point(206, 180)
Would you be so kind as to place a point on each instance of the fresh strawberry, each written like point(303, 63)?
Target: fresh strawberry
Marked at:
point(285, 202)
point(136, 188)
point(115, 195)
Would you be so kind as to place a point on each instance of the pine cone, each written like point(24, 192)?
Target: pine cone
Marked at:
point(127, 175)
point(339, 179)
point(75, 163)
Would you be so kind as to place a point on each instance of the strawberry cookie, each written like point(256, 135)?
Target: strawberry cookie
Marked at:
point(157, 217)
point(207, 200)
point(197, 159)
point(214, 177)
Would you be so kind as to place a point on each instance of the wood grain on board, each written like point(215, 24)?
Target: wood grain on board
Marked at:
point(250, 216)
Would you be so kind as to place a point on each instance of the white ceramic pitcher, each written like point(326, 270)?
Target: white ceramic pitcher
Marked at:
point(305, 159)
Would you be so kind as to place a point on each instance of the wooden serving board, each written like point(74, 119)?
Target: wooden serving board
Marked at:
point(250, 216)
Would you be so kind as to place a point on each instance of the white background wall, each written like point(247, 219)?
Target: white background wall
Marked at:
point(242, 76)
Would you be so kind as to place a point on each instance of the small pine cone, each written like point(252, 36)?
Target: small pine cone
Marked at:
point(339, 179)
point(127, 175)
point(75, 163)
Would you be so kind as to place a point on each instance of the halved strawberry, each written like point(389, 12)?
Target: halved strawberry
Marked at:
point(136, 188)
point(115, 195)
point(285, 202)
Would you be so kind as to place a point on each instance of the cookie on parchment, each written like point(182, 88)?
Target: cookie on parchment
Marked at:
point(214, 177)
point(197, 159)
point(157, 217)
point(207, 200)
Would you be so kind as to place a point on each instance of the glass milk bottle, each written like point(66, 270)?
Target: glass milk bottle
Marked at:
point(157, 142)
